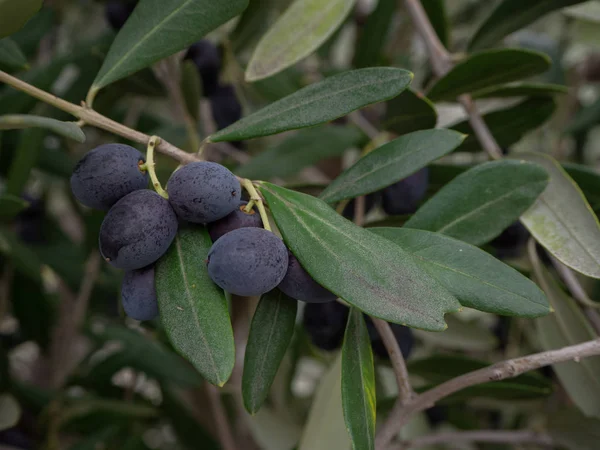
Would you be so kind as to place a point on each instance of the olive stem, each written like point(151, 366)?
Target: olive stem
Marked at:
point(150, 166)
point(249, 206)
point(255, 196)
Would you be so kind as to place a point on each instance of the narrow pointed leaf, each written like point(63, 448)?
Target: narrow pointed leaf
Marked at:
point(372, 35)
point(512, 15)
point(325, 428)
point(438, 16)
point(510, 124)
point(15, 13)
point(562, 220)
point(480, 203)
point(18, 121)
point(521, 90)
point(476, 278)
point(585, 118)
point(301, 150)
point(28, 149)
point(320, 102)
point(358, 383)
point(191, 88)
point(588, 180)
point(156, 30)
point(270, 335)
point(572, 430)
point(192, 308)
point(362, 268)
point(11, 56)
point(569, 326)
point(408, 112)
point(11, 205)
point(300, 30)
point(488, 68)
point(392, 162)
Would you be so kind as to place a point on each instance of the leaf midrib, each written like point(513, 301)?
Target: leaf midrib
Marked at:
point(485, 205)
point(192, 307)
point(143, 41)
point(307, 102)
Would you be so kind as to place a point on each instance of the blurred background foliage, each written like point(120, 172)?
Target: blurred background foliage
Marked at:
point(119, 385)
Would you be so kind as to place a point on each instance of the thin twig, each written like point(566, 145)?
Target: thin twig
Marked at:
point(91, 117)
point(405, 391)
point(359, 210)
point(363, 124)
point(573, 284)
point(220, 416)
point(483, 436)
point(441, 62)
point(496, 372)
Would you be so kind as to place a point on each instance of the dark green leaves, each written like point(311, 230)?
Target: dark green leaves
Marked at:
point(489, 68)
point(479, 204)
point(409, 112)
point(300, 150)
point(521, 90)
point(562, 221)
point(473, 276)
point(11, 57)
point(358, 266)
point(300, 30)
point(373, 33)
point(11, 205)
point(15, 13)
point(358, 382)
point(510, 124)
point(392, 162)
point(270, 335)
point(569, 326)
point(19, 121)
point(510, 15)
point(320, 102)
point(159, 28)
point(193, 309)
point(440, 368)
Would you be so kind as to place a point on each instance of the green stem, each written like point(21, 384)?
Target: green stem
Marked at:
point(150, 166)
point(257, 199)
point(249, 206)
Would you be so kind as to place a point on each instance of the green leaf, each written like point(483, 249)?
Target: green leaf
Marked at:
point(441, 368)
point(521, 90)
point(11, 205)
point(192, 308)
point(585, 119)
point(191, 88)
point(438, 16)
point(301, 150)
point(300, 30)
point(588, 180)
point(392, 162)
point(15, 13)
point(512, 15)
point(568, 326)
point(410, 111)
point(473, 276)
point(320, 102)
point(488, 68)
point(147, 355)
point(562, 220)
point(270, 335)
point(372, 35)
point(358, 382)
point(573, 430)
point(20, 121)
point(480, 203)
point(22, 257)
point(10, 411)
point(27, 152)
point(362, 268)
point(325, 428)
point(156, 30)
point(11, 57)
point(467, 336)
point(510, 124)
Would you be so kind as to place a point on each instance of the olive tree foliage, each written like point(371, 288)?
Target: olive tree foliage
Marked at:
point(400, 247)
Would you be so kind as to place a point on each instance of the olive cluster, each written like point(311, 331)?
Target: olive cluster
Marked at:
point(140, 225)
